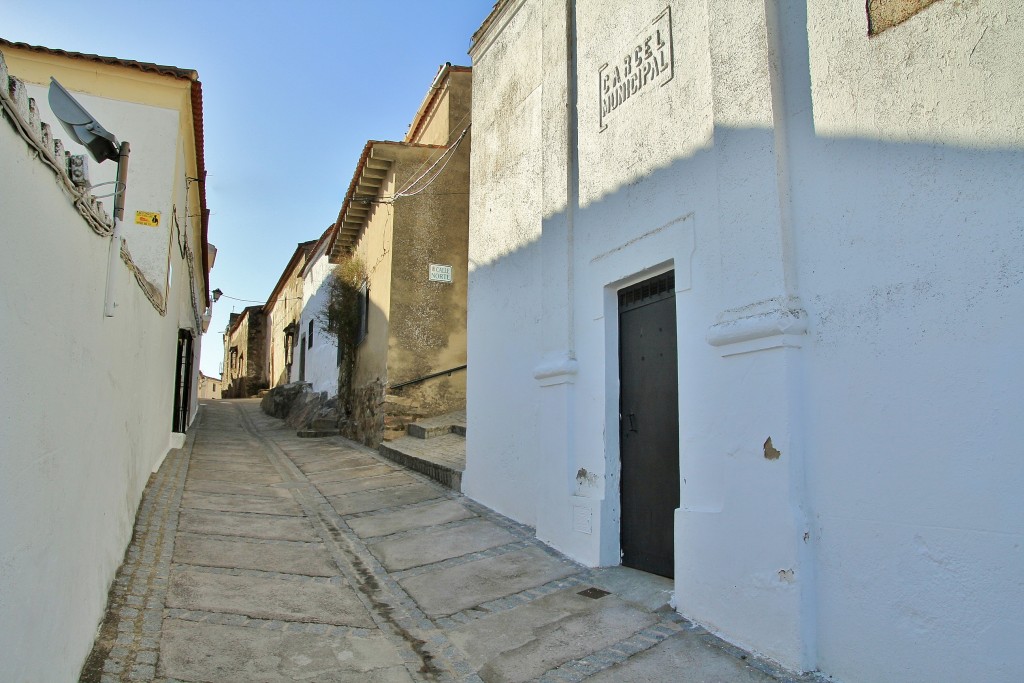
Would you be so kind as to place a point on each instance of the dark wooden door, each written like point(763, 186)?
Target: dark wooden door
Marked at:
point(183, 382)
point(649, 423)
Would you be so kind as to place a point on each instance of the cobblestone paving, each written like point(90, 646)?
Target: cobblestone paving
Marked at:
point(128, 644)
point(305, 597)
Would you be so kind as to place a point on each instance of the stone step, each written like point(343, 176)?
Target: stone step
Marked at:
point(431, 427)
point(316, 433)
point(324, 423)
point(442, 458)
point(392, 434)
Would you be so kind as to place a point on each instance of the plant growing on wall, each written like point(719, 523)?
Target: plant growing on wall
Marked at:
point(343, 316)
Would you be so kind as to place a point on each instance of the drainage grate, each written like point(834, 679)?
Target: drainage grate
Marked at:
point(593, 593)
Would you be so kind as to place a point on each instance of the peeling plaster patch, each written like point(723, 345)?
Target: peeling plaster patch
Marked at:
point(586, 478)
point(770, 451)
point(787, 575)
point(884, 14)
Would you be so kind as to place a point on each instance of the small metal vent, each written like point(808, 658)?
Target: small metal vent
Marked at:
point(593, 593)
point(648, 291)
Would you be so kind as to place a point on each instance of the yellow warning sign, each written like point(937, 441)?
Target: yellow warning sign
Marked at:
point(150, 218)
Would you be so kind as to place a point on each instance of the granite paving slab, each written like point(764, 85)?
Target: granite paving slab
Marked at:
point(334, 488)
point(522, 643)
point(338, 464)
point(426, 546)
point(210, 466)
point(384, 523)
point(303, 456)
point(267, 598)
point(375, 470)
point(238, 477)
point(281, 527)
point(307, 559)
point(364, 501)
point(233, 488)
point(695, 657)
point(232, 503)
point(448, 590)
point(214, 653)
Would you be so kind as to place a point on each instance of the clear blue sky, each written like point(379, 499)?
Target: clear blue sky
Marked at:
point(291, 93)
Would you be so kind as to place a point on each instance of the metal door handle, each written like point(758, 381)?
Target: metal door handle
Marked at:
point(632, 422)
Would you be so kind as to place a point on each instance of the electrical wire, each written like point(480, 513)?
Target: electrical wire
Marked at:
point(450, 153)
point(255, 301)
point(446, 142)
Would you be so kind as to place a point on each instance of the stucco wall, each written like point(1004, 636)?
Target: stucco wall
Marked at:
point(505, 288)
point(154, 127)
point(914, 273)
point(247, 375)
point(848, 283)
point(283, 311)
point(87, 416)
point(428, 319)
point(374, 249)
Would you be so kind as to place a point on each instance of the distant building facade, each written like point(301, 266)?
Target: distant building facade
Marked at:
point(745, 309)
point(245, 359)
point(286, 341)
point(320, 359)
point(405, 218)
point(210, 387)
point(101, 404)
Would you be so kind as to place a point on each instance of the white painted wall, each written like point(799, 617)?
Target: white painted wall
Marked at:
point(155, 157)
point(86, 407)
point(505, 292)
point(849, 283)
point(911, 254)
point(322, 358)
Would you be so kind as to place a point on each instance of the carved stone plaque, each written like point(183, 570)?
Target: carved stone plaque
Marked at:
point(646, 65)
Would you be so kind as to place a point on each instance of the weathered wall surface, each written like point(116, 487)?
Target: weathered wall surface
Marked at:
point(842, 217)
point(911, 254)
point(375, 250)
point(87, 416)
point(428, 319)
point(505, 290)
point(283, 310)
point(152, 121)
point(210, 388)
point(245, 373)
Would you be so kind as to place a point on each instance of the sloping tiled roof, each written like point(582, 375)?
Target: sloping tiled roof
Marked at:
point(431, 98)
point(302, 250)
point(357, 177)
point(197, 121)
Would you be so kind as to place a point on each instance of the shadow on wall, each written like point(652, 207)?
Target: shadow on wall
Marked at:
point(909, 259)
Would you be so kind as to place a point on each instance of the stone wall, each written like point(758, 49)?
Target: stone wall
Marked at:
point(365, 419)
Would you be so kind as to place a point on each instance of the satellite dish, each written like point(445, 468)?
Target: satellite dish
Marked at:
point(80, 125)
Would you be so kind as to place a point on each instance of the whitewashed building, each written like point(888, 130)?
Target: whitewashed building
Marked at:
point(91, 404)
point(747, 312)
point(320, 367)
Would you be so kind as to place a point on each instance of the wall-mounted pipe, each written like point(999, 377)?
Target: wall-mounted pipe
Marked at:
point(114, 254)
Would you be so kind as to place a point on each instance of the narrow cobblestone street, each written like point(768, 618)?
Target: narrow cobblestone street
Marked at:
point(260, 556)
